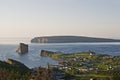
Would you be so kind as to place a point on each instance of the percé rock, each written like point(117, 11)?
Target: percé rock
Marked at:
point(70, 39)
point(23, 48)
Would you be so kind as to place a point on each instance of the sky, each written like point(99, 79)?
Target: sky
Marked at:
point(31, 18)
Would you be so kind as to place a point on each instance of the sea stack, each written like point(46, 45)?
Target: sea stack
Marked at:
point(23, 48)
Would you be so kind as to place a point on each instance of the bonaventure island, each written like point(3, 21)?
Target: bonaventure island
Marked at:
point(87, 65)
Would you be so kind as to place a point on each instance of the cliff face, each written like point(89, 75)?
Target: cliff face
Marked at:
point(40, 40)
point(69, 39)
point(45, 53)
point(23, 48)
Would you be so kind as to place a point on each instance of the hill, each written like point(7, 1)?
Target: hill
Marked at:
point(13, 70)
point(69, 39)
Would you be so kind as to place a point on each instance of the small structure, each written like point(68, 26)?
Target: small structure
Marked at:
point(91, 53)
point(23, 48)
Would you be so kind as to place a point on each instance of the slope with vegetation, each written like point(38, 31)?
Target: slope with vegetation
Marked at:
point(14, 70)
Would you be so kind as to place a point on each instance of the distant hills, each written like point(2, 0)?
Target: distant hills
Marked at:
point(70, 39)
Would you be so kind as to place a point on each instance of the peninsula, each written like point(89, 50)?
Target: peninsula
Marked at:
point(86, 65)
point(70, 39)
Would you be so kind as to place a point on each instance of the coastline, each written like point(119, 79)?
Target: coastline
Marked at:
point(32, 59)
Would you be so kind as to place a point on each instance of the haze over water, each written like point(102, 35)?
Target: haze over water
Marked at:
point(14, 40)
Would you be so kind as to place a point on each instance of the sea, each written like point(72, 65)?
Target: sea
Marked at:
point(32, 59)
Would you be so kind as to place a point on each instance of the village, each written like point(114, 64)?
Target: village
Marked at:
point(85, 65)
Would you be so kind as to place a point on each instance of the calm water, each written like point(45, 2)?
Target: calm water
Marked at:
point(33, 58)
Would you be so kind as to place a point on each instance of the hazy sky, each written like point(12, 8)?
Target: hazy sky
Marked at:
point(30, 18)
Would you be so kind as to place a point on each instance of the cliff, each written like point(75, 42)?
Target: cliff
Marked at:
point(46, 53)
point(23, 48)
point(13, 65)
point(16, 64)
point(69, 39)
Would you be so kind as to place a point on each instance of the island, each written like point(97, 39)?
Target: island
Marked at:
point(70, 39)
point(86, 65)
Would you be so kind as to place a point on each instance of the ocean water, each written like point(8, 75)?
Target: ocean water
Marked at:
point(33, 59)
